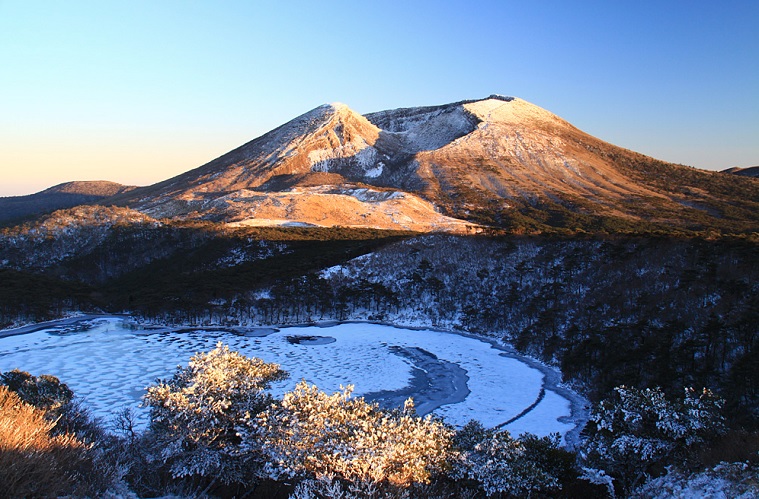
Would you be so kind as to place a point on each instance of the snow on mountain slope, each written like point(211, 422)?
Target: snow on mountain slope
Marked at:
point(520, 150)
point(328, 206)
point(425, 129)
point(273, 180)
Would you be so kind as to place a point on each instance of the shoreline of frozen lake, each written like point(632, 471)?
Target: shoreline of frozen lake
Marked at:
point(458, 376)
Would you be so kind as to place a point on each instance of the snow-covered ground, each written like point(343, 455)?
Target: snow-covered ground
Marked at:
point(109, 366)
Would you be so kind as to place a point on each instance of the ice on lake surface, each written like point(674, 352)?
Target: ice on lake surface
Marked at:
point(109, 366)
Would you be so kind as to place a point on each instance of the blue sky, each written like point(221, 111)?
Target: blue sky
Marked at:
point(137, 92)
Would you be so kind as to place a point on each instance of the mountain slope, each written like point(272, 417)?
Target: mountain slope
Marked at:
point(284, 176)
point(521, 154)
point(522, 161)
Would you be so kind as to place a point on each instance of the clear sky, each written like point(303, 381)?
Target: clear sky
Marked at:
point(138, 91)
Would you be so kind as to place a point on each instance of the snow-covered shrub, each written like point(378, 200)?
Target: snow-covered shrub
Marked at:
point(195, 416)
point(499, 463)
point(331, 488)
point(311, 434)
point(637, 432)
point(733, 480)
point(599, 477)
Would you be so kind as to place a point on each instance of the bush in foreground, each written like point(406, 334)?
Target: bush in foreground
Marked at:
point(735, 480)
point(310, 434)
point(498, 463)
point(33, 461)
point(195, 416)
point(44, 392)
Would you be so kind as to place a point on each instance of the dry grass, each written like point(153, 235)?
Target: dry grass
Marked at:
point(33, 463)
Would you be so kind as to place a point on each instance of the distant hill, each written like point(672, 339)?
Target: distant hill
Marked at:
point(750, 171)
point(66, 195)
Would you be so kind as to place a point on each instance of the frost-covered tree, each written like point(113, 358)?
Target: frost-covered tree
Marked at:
point(311, 434)
point(637, 432)
point(196, 415)
point(733, 480)
point(498, 463)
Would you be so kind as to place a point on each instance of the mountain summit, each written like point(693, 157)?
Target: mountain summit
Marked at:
point(498, 162)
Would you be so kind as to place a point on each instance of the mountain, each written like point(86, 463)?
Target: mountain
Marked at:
point(66, 195)
point(328, 167)
point(499, 162)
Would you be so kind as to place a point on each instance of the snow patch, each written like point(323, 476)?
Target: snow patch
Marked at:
point(376, 171)
point(331, 271)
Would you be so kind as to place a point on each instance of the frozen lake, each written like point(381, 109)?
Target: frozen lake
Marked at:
point(108, 364)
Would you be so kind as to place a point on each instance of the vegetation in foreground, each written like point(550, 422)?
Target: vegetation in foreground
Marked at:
point(215, 432)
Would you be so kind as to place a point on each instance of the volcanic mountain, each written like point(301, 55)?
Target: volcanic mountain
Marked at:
point(497, 162)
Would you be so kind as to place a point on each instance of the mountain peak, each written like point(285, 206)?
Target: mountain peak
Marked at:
point(511, 110)
point(339, 106)
point(503, 98)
